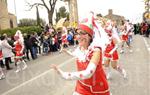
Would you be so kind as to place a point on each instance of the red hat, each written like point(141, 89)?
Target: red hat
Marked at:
point(87, 26)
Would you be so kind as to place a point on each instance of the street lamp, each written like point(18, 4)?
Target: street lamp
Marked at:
point(146, 14)
point(15, 9)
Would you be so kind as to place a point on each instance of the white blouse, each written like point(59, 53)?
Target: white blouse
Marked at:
point(6, 49)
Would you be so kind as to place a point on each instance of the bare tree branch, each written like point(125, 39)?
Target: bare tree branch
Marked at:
point(45, 5)
point(52, 3)
point(50, 8)
point(33, 5)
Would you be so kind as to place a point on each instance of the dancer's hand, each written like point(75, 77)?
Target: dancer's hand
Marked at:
point(55, 68)
point(68, 52)
point(21, 51)
point(64, 50)
point(111, 52)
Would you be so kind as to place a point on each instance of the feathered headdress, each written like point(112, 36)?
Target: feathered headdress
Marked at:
point(18, 35)
point(92, 26)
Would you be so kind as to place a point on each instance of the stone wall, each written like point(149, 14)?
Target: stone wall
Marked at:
point(114, 17)
point(73, 10)
point(13, 18)
point(6, 17)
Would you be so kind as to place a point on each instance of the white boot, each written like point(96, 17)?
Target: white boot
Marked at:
point(122, 71)
point(18, 67)
point(108, 73)
point(108, 76)
point(2, 76)
point(121, 51)
point(130, 50)
point(124, 74)
point(24, 65)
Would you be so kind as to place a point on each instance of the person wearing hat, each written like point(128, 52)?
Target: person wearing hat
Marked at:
point(19, 48)
point(91, 78)
point(126, 36)
point(64, 39)
point(111, 56)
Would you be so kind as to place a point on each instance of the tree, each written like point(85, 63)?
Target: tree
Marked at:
point(27, 22)
point(30, 22)
point(38, 16)
point(62, 13)
point(50, 8)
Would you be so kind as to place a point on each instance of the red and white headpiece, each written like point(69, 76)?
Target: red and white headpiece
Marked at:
point(94, 28)
point(18, 35)
point(109, 27)
point(88, 23)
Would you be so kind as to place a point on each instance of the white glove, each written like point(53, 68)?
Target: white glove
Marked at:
point(80, 75)
point(115, 48)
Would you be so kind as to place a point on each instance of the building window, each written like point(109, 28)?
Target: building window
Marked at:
point(11, 24)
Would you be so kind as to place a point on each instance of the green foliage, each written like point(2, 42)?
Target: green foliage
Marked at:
point(62, 13)
point(28, 30)
point(30, 22)
point(27, 22)
point(42, 22)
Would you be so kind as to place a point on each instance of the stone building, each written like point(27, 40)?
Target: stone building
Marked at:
point(7, 20)
point(73, 10)
point(115, 17)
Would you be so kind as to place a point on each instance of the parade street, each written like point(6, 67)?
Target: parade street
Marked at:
point(40, 79)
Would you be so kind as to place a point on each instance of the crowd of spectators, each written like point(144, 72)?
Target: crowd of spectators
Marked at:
point(49, 40)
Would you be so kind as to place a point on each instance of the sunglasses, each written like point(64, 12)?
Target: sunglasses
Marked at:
point(82, 33)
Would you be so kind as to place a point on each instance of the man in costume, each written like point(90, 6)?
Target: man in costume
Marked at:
point(110, 53)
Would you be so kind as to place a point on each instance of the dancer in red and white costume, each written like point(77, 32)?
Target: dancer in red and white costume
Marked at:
point(64, 39)
point(110, 53)
point(126, 32)
point(19, 47)
point(91, 78)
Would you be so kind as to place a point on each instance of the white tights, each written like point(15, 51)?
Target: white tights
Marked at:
point(76, 93)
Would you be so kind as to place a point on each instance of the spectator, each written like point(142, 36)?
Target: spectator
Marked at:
point(7, 52)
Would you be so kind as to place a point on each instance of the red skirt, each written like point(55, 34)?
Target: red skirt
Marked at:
point(18, 54)
point(113, 56)
point(85, 90)
point(64, 41)
point(125, 37)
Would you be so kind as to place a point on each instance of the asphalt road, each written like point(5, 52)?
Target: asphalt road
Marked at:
point(39, 79)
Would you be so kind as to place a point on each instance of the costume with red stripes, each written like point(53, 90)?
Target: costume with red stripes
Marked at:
point(18, 49)
point(64, 38)
point(110, 46)
point(97, 84)
point(124, 36)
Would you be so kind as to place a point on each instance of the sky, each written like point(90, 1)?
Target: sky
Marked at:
point(130, 9)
